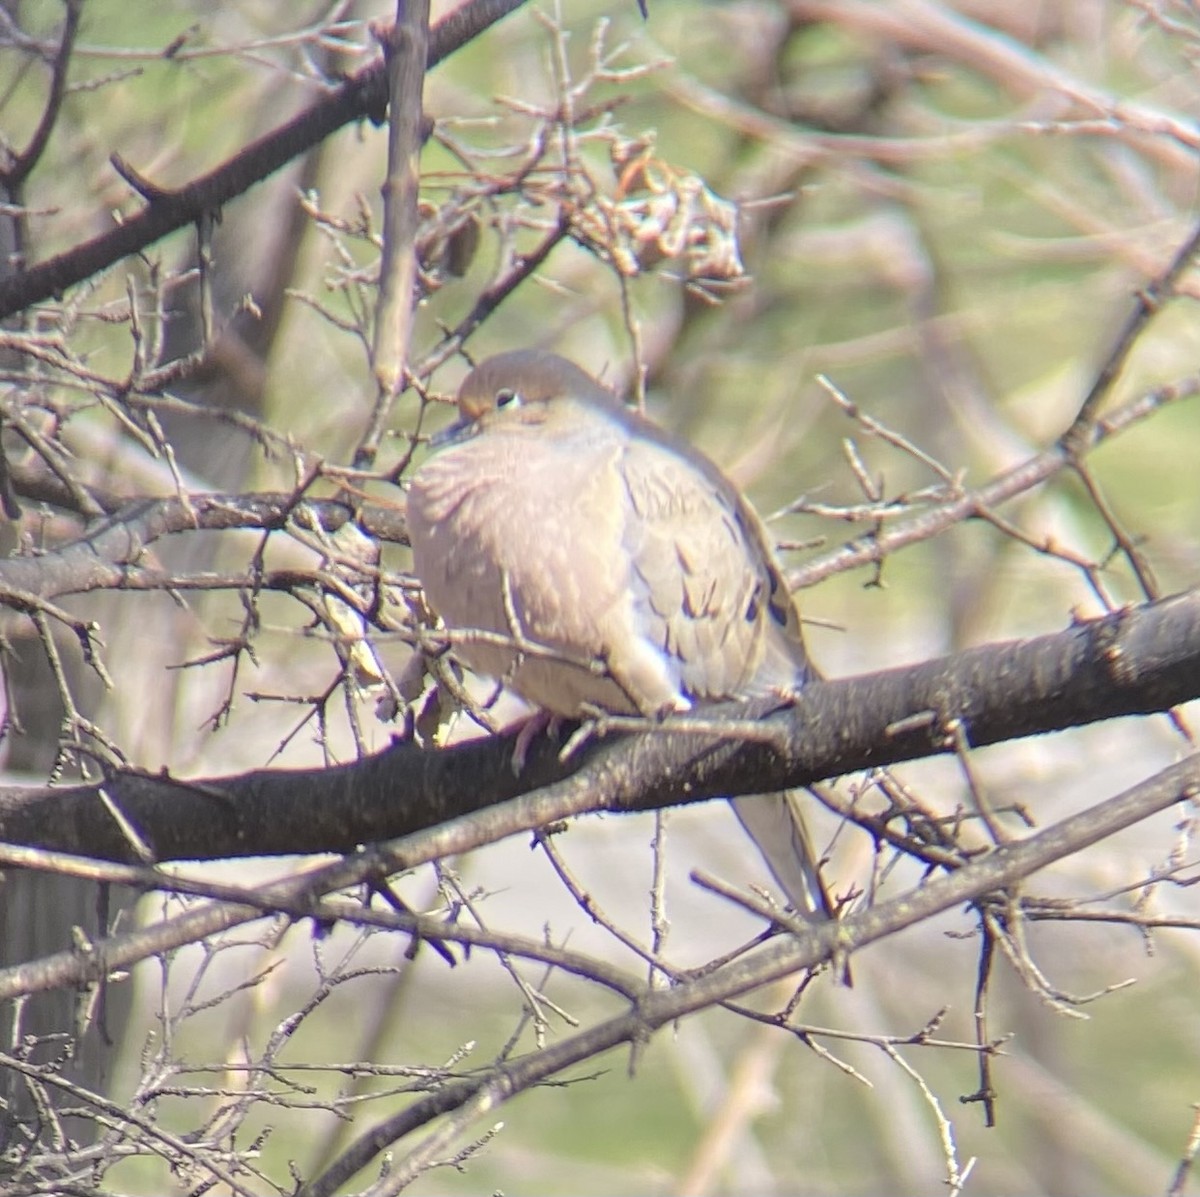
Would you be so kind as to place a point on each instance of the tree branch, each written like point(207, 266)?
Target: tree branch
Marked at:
point(363, 95)
point(778, 958)
point(405, 51)
point(1133, 662)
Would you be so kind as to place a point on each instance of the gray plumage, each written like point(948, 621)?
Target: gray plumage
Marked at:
point(641, 578)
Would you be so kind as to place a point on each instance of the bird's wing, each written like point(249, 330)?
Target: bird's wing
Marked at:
point(707, 589)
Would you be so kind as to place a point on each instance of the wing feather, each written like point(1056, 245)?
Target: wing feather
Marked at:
point(707, 589)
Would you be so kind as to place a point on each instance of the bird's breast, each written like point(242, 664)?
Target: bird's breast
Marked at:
point(523, 541)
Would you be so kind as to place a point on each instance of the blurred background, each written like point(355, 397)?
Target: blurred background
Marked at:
point(940, 212)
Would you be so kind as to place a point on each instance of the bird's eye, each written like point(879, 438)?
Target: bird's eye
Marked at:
point(506, 396)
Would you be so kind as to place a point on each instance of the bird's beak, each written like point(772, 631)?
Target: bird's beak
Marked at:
point(452, 433)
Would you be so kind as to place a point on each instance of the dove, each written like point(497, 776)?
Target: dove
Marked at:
point(592, 561)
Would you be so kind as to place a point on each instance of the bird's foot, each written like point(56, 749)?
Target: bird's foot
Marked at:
point(530, 728)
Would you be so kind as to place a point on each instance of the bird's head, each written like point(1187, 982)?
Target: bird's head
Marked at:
point(525, 386)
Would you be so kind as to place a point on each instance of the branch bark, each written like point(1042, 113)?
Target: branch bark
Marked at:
point(405, 50)
point(1134, 662)
point(362, 96)
point(779, 958)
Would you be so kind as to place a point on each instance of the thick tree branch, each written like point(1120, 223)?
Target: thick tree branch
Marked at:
point(778, 958)
point(405, 51)
point(1131, 663)
point(362, 96)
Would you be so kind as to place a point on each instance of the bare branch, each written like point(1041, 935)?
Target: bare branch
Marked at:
point(363, 95)
point(1131, 662)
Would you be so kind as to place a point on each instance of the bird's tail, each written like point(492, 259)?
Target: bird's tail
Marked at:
point(776, 824)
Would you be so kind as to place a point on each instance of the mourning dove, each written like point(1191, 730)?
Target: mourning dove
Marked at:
point(630, 571)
